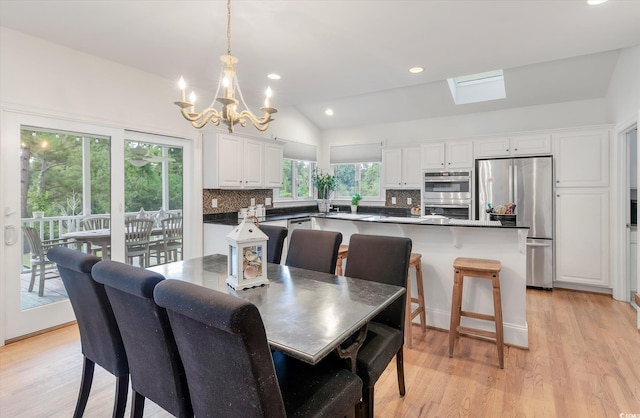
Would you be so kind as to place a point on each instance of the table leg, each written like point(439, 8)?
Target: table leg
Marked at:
point(351, 352)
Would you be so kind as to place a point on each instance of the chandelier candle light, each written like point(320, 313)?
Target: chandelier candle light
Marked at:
point(229, 83)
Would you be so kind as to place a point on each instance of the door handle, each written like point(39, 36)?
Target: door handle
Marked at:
point(10, 236)
point(538, 245)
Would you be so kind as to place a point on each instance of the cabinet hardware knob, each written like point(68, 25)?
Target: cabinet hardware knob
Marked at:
point(557, 195)
point(516, 149)
point(507, 150)
point(557, 181)
point(449, 162)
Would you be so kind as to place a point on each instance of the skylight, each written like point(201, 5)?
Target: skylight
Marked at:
point(480, 87)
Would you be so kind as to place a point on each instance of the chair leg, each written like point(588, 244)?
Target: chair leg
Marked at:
point(33, 279)
point(137, 405)
point(408, 335)
point(42, 275)
point(85, 386)
point(456, 306)
point(122, 389)
point(366, 410)
point(400, 370)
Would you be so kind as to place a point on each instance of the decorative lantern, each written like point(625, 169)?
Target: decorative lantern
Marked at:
point(247, 258)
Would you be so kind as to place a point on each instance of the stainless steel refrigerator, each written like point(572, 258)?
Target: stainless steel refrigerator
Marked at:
point(527, 182)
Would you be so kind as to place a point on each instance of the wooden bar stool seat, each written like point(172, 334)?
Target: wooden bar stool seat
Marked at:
point(343, 251)
point(482, 269)
point(415, 261)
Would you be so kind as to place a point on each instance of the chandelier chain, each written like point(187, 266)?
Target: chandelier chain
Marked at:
point(228, 27)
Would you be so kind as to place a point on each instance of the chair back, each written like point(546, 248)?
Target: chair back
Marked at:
point(382, 259)
point(277, 235)
point(99, 333)
point(172, 232)
point(154, 364)
point(35, 243)
point(224, 349)
point(95, 222)
point(314, 250)
point(138, 232)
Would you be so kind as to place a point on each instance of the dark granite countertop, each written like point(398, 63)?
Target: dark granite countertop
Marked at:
point(365, 214)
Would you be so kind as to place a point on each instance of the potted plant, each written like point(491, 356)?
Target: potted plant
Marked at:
point(355, 200)
point(325, 184)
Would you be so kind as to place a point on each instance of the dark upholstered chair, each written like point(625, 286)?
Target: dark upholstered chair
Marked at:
point(99, 334)
point(229, 366)
point(314, 250)
point(276, 235)
point(385, 260)
point(154, 364)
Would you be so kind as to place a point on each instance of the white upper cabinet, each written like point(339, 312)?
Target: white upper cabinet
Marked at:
point(234, 162)
point(273, 165)
point(582, 158)
point(520, 145)
point(447, 155)
point(401, 168)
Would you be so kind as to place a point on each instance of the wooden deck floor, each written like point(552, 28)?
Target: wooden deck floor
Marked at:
point(583, 361)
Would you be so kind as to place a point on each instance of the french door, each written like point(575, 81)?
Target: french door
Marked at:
point(55, 176)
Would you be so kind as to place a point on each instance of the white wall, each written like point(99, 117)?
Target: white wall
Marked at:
point(623, 96)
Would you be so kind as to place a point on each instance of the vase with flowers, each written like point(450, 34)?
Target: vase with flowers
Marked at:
point(325, 183)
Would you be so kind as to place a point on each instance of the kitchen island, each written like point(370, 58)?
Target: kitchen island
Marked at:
point(440, 242)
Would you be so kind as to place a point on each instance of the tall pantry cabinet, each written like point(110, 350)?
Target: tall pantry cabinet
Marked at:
point(582, 207)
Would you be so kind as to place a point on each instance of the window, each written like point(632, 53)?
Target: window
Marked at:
point(296, 180)
point(361, 178)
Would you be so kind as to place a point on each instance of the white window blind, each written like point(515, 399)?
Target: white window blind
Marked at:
point(357, 153)
point(299, 151)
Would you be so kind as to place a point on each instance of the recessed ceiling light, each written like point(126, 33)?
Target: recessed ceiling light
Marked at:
point(328, 112)
point(416, 70)
point(595, 2)
point(274, 76)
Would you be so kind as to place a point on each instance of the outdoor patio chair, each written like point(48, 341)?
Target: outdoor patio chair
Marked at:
point(137, 236)
point(170, 245)
point(40, 264)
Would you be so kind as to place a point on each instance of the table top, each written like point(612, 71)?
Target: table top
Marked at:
point(98, 234)
point(306, 314)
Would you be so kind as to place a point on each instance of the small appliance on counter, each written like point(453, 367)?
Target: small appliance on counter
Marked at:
point(634, 212)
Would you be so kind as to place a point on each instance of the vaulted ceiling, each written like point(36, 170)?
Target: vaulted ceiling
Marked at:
point(352, 55)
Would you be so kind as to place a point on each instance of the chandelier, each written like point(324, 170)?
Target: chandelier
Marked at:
point(228, 82)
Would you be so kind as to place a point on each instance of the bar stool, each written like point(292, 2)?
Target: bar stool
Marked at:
point(343, 251)
point(416, 262)
point(482, 269)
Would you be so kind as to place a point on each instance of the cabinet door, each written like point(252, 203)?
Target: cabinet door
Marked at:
point(392, 168)
point(531, 145)
point(253, 163)
point(494, 147)
point(273, 165)
point(229, 161)
point(432, 156)
point(411, 171)
point(582, 236)
point(459, 155)
point(582, 159)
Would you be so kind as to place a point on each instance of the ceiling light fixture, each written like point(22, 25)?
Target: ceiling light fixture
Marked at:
point(230, 113)
point(274, 76)
point(595, 2)
point(328, 112)
point(416, 70)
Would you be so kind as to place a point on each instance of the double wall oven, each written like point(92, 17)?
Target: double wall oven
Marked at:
point(447, 193)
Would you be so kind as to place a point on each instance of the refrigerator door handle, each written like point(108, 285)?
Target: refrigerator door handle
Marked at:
point(532, 244)
point(514, 169)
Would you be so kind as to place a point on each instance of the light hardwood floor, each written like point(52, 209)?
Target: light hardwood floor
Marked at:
point(584, 361)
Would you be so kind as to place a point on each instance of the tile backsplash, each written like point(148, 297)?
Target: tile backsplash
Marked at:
point(233, 200)
point(401, 196)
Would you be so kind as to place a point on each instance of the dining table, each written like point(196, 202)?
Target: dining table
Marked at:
point(98, 237)
point(306, 314)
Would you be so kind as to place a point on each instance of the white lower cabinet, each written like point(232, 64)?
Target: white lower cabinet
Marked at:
point(582, 236)
point(633, 260)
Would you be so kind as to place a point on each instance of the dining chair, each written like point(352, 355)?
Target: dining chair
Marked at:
point(100, 337)
point(40, 264)
point(314, 250)
point(93, 223)
point(382, 259)
point(170, 245)
point(137, 237)
point(231, 370)
point(154, 363)
point(277, 235)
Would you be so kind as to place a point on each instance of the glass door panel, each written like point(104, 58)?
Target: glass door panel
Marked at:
point(153, 176)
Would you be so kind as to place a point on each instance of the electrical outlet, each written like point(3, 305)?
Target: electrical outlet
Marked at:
point(408, 200)
point(214, 203)
point(393, 200)
point(253, 201)
point(267, 201)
